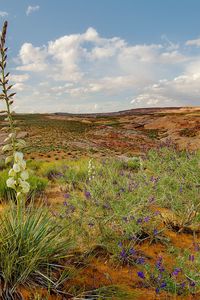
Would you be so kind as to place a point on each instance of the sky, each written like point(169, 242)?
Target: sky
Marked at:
point(83, 56)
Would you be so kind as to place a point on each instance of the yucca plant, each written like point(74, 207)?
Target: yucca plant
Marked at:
point(30, 253)
point(32, 243)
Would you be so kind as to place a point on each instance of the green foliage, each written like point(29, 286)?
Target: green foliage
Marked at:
point(109, 292)
point(174, 177)
point(30, 248)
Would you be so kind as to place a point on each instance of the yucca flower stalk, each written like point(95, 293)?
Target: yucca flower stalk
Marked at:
point(91, 169)
point(13, 145)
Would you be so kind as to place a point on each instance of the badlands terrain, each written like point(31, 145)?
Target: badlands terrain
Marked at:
point(60, 135)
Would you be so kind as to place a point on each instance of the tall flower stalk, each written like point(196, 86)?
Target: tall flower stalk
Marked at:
point(17, 175)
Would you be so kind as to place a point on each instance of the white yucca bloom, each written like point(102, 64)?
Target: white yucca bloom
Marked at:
point(11, 183)
point(18, 175)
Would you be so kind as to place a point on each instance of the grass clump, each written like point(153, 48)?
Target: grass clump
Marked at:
point(31, 249)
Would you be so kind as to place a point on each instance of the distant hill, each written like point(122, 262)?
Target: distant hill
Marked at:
point(134, 111)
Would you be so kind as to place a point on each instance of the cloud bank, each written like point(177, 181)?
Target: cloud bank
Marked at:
point(86, 72)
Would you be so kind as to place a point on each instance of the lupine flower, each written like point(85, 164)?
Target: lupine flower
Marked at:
point(157, 290)
point(132, 251)
point(159, 265)
point(123, 253)
point(87, 194)
point(163, 285)
point(140, 261)
point(146, 219)
point(155, 232)
point(196, 247)
point(156, 213)
point(192, 283)
point(120, 244)
point(66, 196)
point(191, 257)
point(176, 271)
point(141, 274)
point(139, 220)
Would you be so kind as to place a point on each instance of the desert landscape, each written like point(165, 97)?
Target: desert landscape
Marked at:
point(115, 182)
point(99, 150)
point(56, 136)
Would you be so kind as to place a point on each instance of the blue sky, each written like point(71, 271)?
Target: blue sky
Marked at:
point(103, 55)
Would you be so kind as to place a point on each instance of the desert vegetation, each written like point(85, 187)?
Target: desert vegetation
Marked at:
point(83, 224)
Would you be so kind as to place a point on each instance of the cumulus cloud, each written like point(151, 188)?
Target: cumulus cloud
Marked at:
point(18, 78)
point(31, 9)
point(195, 42)
point(88, 71)
point(3, 14)
point(32, 58)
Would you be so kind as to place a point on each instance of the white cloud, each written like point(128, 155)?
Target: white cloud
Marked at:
point(18, 78)
point(19, 87)
point(87, 70)
point(181, 90)
point(3, 14)
point(195, 42)
point(32, 58)
point(31, 9)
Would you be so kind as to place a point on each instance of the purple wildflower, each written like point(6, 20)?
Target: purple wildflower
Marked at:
point(192, 283)
point(155, 232)
point(123, 253)
point(163, 285)
point(87, 194)
point(146, 219)
point(132, 251)
point(141, 274)
point(157, 213)
point(65, 203)
point(196, 247)
point(140, 261)
point(66, 195)
point(139, 221)
point(159, 265)
point(191, 257)
point(120, 244)
point(176, 271)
